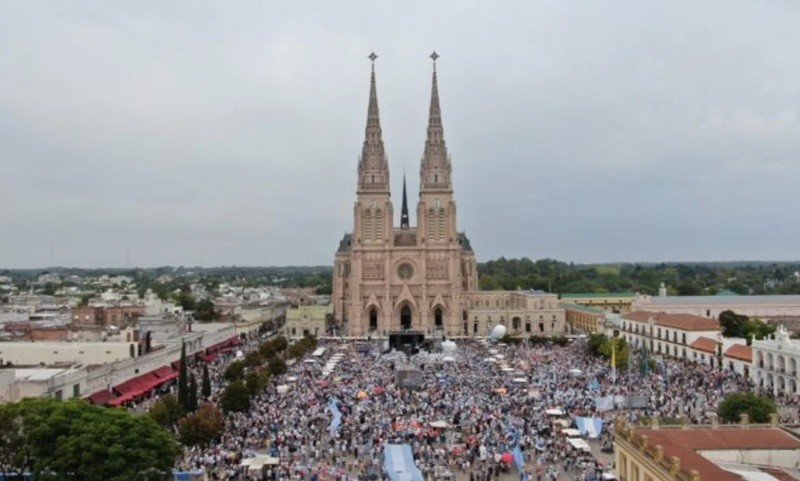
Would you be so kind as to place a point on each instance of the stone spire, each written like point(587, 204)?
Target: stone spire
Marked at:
point(435, 169)
point(373, 166)
point(404, 211)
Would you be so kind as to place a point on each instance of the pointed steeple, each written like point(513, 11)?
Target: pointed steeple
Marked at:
point(373, 167)
point(404, 211)
point(435, 169)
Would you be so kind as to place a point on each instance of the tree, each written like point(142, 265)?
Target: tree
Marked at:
point(183, 382)
point(13, 460)
point(234, 371)
point(191, 401)
point(204, 311)
point(277, 366)
point(167, 411)
point(67, 440)
point(206, 386)
point(202, 427)
point(256, 381)
point(733, 325)
point(757, 407)
point(235, 398)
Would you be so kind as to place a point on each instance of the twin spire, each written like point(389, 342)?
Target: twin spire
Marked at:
point(373, 166)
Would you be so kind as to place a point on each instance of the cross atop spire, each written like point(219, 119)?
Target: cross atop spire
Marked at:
point(373, 168)
point(435, 162)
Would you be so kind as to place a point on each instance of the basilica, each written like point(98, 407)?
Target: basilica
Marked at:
point(420, 277)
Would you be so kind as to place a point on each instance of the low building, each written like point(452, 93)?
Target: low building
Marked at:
point(762, 307)
point(738, 452)
point(619, 302)
point(775, 363)
point(669, 334)
point(521, 312)
point(588, 320)
point(304, 320)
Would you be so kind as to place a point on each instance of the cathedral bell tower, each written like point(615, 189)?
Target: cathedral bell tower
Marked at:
point(436, 211)
point(373, 207)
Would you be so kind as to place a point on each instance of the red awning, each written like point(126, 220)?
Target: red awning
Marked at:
point(138, 385)
point(207, 357)
point(165, 379)
point(236, 341)
point(233, 341)
point(101, 397)
point(225, 350)
point(163, 371)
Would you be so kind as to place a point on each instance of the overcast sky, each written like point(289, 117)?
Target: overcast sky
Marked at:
point(208, 133)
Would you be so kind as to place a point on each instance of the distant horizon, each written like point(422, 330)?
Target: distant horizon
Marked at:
point(306, 266)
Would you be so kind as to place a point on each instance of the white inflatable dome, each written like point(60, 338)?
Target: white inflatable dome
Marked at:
point(498, 332)
point(448, 347)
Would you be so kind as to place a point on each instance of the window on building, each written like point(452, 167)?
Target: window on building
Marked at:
point(76, 390)
point(437, 317)
point(541, 327)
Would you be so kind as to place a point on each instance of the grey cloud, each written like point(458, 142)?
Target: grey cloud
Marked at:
point(219, 133)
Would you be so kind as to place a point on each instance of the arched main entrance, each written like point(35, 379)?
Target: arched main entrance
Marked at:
point(405, 317)
point(437, 317)
point(373, 319)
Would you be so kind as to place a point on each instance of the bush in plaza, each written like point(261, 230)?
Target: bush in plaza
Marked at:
point(559, 341)
point(167, 411)
point(235, 398)
point(277, 366)
point(535, 340)
point(273, 347)
point(757, 407)
point(256, 381)
point(77, 440)
point(511, 340)
point(201, 427)
point(234, 371)
point(253, 359)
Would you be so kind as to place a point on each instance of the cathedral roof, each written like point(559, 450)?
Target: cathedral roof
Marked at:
point(464, 242)
point(344, 244)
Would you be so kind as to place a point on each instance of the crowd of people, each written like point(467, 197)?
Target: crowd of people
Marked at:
point(480, 413)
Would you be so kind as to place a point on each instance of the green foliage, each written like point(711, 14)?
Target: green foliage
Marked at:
point(256, 381)
point(757, 407)
point(738, 325)
point(276, 367)
point(204, 311)
point(77, 440)
point(601, 345)
point(684, 279)
point(201, 427)
point(183, 382)
point(167, 411)
point(511, 340)
point(206, 386)
point(253, 359)
point(192, 398)
point(235, 398)
point(234, 371)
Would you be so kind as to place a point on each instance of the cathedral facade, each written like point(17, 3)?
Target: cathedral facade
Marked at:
point(422, 277)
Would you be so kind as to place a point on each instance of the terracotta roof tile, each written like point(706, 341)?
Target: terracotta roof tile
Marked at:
point(704, 344)
point(685, 322)
point(740, 352)
point(684, 444)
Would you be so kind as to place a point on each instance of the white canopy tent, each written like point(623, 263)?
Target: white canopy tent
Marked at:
point(579, 444)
